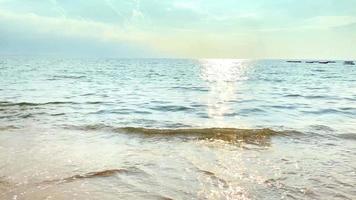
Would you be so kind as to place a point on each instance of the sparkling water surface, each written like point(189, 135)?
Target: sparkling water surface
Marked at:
point(176, 129)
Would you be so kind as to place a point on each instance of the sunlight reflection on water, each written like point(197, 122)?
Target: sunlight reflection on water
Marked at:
point(223, 77)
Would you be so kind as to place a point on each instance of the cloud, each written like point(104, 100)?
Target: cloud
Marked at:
point(59, 8)
point(110, 4)
point(30, 31)
point(325, 22)
point(350, 28)
point(64, 26)
point(226, 28)
point(188, 5)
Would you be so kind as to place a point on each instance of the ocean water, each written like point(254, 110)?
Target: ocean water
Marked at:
point(176, 129)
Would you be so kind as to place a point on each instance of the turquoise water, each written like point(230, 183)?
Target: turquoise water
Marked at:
point(176, 129)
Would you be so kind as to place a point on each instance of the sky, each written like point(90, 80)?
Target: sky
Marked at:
point(246, 29)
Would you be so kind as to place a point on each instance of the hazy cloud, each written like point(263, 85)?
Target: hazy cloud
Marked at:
point(209, 28)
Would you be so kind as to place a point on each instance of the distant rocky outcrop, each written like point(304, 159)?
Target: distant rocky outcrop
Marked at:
point(349, 63)
point(323, 62)
point(320, 62)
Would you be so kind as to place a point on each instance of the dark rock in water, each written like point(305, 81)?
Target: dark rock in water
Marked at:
point(324, 62)
point(294, 61)
point(349, 63)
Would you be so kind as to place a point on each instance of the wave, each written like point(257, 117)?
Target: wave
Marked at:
point(214, 178)
point(95, 174)
point(3, 181)
point(57, 77)
point(311, 96)
point(330, 111)
point(201, 89)
point(8, 103)
point(171, 108)
point(347, 136)
point(259, 136)
point(256, 136)
point(5, 128)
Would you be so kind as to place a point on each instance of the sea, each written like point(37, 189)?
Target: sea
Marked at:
point(100, 128)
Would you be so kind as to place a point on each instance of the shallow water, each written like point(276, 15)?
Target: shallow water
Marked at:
point(176, 129)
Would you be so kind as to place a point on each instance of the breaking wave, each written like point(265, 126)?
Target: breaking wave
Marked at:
point(89, 175)
point(258, 136)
